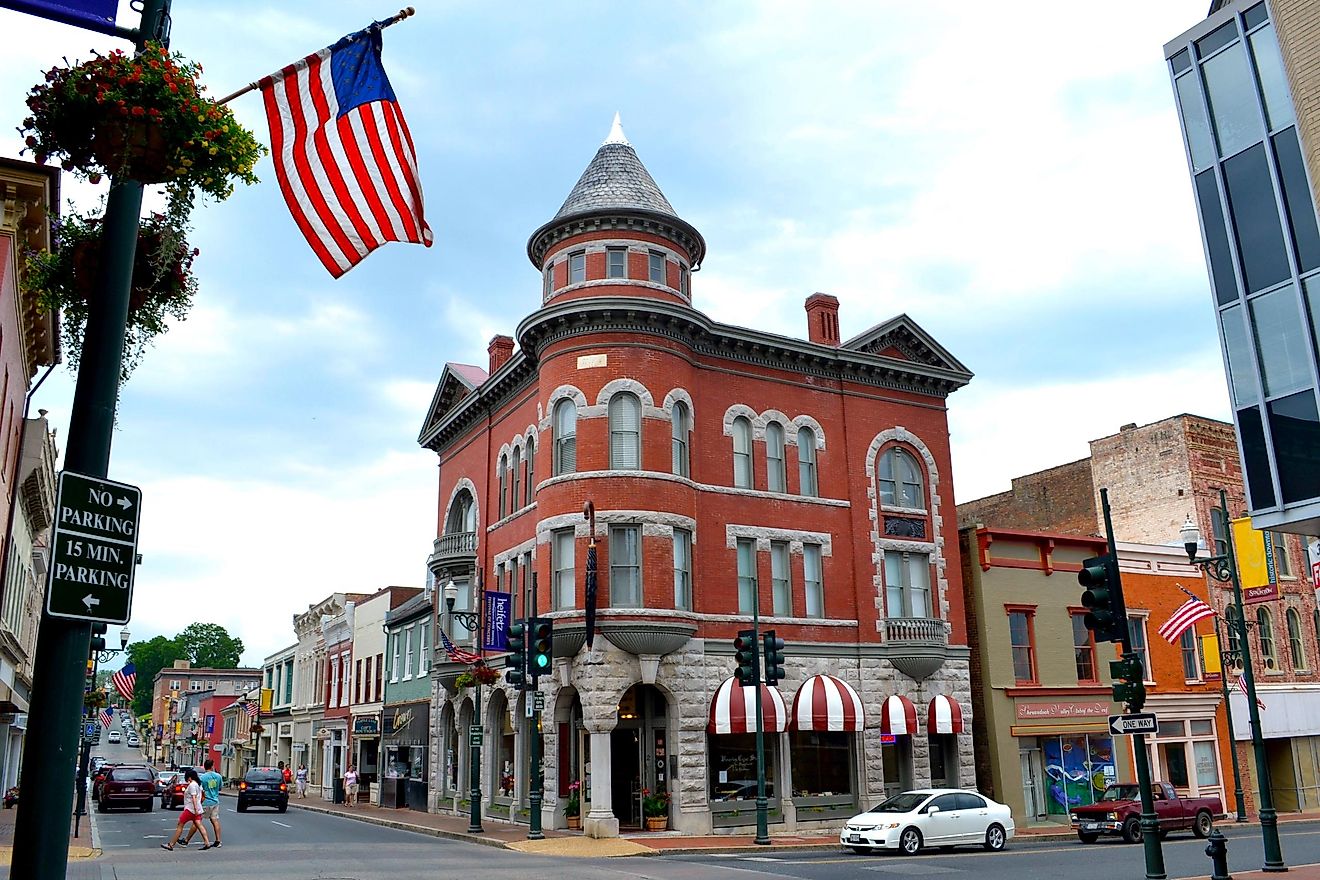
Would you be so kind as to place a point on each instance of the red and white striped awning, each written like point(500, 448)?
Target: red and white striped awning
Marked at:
point(733, 710)
point(827, 703)
point(944, 715)
point(898, 716)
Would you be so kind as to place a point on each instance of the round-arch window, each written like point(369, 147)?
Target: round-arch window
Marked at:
point(900, 480)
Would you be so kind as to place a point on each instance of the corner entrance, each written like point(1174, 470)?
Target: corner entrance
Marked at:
point(638, 752)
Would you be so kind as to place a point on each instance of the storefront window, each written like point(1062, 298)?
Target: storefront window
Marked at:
point(821, 763)
point(733, 766)
point(1207, 768)
point(896, 763)
point(504, 758)
point(1077, 767)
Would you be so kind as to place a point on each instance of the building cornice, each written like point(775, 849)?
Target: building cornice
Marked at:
point(667, 226)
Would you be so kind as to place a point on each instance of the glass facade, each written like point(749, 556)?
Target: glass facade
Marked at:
point(1262, 246)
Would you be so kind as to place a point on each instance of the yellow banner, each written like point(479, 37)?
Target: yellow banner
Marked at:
point(267, 697)
point(178, 728)
point(1210, 653)
point(1255, 561)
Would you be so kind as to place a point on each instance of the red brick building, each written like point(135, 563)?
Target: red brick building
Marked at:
point(730, 469)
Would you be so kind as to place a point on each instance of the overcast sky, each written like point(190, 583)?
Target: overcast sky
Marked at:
point(1009, 175)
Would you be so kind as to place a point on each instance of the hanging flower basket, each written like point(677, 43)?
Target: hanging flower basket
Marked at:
point(64, 279)
point(478, 674)
point(95, 699)
point(139, 116)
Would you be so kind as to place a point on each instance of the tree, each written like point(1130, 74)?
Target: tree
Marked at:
point(209, 645)
point(149, 658)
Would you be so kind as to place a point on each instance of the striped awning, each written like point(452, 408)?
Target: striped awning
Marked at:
point(944, 715)
point(733, 711)
point(827, 703)
point(898, 716)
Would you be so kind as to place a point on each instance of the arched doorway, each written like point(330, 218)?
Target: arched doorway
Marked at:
point(639, 752)
point(572, 746)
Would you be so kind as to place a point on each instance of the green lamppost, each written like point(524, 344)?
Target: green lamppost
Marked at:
point(1223, 568)
point(471, 620)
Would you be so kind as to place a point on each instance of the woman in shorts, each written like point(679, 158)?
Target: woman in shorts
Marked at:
point(192, 811)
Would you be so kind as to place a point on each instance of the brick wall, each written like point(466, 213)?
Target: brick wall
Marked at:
point(1148, 475)
point(1058, 499)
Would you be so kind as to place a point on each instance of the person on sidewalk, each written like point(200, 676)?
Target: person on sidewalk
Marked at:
point(301, 778)
point(192, 811)
point(350, 785)
point(211, 783)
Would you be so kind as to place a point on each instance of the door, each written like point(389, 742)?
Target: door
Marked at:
point(1032, 774)
point(626, 776)
point(944, 826)
point(973, 818)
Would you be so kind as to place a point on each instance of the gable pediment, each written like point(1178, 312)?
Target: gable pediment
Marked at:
point(901, 338)
point(457, 381)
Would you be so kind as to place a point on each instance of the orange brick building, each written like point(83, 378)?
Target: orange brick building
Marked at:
point(730, 469)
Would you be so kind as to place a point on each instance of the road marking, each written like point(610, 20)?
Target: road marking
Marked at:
point(154, 836)
point(281, 824)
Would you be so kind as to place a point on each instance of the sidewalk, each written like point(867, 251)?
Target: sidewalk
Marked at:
point(80, 847)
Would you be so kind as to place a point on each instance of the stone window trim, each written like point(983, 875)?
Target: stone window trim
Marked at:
point(516, 553)
point(654, 524)
point(674, 396)
point(614, 282)
point(464, 484)
point(701, 617)
point(510, 517)
point(701, 487)
point(520, 441)
point(761, 420)
point(571, 392)
point(602, 246)
point(764, 536)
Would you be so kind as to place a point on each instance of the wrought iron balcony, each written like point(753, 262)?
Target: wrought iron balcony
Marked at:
point(916, 646)
point(456, 550)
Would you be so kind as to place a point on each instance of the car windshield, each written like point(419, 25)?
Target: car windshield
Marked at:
point(264, 776)
point(900, 803)
point(132, 774)
point(1121, 793)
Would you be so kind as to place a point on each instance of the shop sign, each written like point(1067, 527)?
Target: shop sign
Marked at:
point(1096, 709)
point(888, 739)
point(366, 727)
point(1313, 558)
point(402, 719)
point(1255, 595)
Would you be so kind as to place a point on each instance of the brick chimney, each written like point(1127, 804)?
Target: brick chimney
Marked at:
point(500, 350)
point(823, 319)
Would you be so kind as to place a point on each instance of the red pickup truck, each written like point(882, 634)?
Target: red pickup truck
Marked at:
point(1118, 811)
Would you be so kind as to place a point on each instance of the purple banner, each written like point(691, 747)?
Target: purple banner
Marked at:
point(94, 15)
point(210, 724)
point(495, 625)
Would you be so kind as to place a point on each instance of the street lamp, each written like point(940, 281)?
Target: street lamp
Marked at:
point(1223, 568)
point(471, 620)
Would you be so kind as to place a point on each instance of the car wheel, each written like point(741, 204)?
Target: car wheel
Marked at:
point(284, 808)
point(995, 838)
point(1201, 827)
point(1132, 831)
point(148, 806)
point(1087, 838)
point(242, 807)
point(909, 842)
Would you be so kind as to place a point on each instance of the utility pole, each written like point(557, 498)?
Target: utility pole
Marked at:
point(41, 833)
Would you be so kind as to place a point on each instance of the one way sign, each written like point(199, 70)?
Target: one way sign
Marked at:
point(1138, 722)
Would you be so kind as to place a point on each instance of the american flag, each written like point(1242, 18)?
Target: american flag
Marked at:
point(125, 680)
point(1187, 615)
point(1242, 687)
point(460, 655)
point(251, 708)
point(107, 715)
point(342, 152)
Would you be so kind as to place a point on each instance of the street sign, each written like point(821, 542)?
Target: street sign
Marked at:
point(95, 541)
point(476, 736)
point(91, 728)
point(538, 700)
point(1139, 722)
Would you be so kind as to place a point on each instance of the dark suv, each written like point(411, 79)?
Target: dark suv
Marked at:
point(263, 787)
point(128, 785)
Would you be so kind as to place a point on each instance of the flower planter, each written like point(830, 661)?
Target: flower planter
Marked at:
point(139, 150)
point(574, 823)
point(657, 823)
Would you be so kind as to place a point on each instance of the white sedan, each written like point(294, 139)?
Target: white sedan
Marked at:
point(930, 817)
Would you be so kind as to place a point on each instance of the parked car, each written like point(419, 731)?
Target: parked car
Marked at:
point(128, 785)
point(115, 736)
point(1118, 811)
point(265, 787)
point(99, 777)
point(942, 817)
point(171, 793)
point(132, 738)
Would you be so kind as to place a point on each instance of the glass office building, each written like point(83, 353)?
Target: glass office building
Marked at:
point(1249, 167)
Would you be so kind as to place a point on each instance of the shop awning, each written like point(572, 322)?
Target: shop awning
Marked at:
point(898, 716)
point(944, 715)
point(827, 703)
point(732, 709)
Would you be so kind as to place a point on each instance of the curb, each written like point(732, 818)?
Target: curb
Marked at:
point(403, 826)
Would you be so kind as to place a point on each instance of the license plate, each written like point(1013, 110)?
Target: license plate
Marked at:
point(854, 838)
point(1091, 826)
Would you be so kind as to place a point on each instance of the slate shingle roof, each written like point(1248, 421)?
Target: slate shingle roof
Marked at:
point(615, 179)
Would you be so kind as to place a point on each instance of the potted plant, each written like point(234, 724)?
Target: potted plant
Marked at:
point(143, 116)
point(63, 279)
point(573, 806)
point(655, 808)
point(95, 699)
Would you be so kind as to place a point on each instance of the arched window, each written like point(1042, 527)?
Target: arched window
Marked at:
point(742, 453)
point(462, 514)
point(531, 472)
point(678, 425)
point(1295, 650)
point(625, 432)
point(1265, 633)
point(775, 480)
point(565, 437)
point(806, 444)
point(515, 481)
point(900, 480)
point(504, 485)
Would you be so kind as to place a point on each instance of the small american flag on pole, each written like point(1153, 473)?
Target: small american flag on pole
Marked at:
point(107, 715)
point(457, 654)
point(342, 152)
point(251, 708)
point(1242, 687)
point(1186, 616)
point(125, 680)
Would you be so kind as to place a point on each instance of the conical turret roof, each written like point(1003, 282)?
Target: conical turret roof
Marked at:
point(616, 179)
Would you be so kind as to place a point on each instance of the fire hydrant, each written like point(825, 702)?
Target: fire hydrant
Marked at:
point(1217, 850)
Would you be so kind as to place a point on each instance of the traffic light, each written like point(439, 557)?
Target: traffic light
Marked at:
point(542, 650)
point(748, 671)
point(516, 663)
point(1129, 687)
point(1105, 617)
point(773, 652)
point(98, 637)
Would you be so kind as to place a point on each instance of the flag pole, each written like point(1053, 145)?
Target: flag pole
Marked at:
point(393, 19)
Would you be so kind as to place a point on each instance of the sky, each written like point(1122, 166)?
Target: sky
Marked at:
point(1011, 176)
